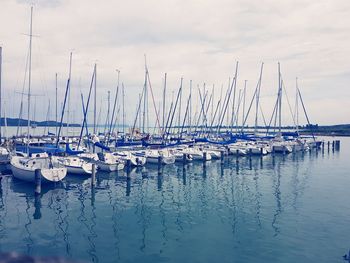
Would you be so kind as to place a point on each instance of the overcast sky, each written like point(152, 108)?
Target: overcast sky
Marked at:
point(197, 40)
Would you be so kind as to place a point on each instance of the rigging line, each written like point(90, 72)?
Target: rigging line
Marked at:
point(307, 117)
point(290, 108)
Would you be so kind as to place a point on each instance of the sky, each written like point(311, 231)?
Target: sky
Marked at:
point(195, 40)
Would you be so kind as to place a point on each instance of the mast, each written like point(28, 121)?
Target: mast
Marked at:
point(257, 100)
point(95, 73)
point(164, 95)
point(29, 73)
point(243, 110)
point(123, 109)
point(234, 97)
point(144, 102)
point(56, 105)
point(69, 77)
point(190, 108)
point(108, 111)
point(179, 120)
point(0, 93)
point(296, 107)
point(280, 101)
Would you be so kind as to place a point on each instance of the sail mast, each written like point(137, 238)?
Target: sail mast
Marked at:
point(0, 93)
point(164, 96)
point(95, 98)
point(296, 107)
point(257, 100)
point(29, 73)
point(280, 101)
point(69, 77)
point(56, 103)
point(123, 109)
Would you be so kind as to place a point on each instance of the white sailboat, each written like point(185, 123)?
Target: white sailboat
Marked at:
point(23, 168)
point(109, 162)
point(75, 165)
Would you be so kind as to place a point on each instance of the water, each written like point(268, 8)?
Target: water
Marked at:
point(286, 209)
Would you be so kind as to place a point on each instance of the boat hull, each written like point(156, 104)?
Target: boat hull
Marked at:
point(28, 174)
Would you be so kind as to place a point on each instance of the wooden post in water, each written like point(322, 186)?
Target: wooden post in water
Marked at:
point(237, 155)
point(128, 169)
point(337, 145)
point(93, 175)
point(37, 182)
point(204, 160)
point(222, 157)
point(159, 164)
point(333, 146)
point(184, 158)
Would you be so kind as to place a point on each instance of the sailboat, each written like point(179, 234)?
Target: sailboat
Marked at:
point(24, 167)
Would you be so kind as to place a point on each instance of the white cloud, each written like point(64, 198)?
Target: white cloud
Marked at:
point(199, 40)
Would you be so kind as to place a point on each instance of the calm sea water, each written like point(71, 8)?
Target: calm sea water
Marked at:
point(282, 209)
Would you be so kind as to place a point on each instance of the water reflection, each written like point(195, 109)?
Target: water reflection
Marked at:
point(146, 212)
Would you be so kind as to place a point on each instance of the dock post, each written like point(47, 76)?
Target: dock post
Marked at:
point(204, 161)
point(322, 146)
point(37, 182)
point(183, 158)
point(159, 164)
point(93, 175)
point(222, 157)
point(293, 149)
point(328, 143)
point(261, 151)
point(250, 153)
point(128, 169)
point(237, 155)
point(337, 145)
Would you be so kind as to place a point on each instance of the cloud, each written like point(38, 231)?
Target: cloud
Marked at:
point(197, 40)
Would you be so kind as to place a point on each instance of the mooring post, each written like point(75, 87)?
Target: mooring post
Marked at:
point(261, 151)
point(222, 157)
point(159, 164)
point(337, 145)
point(93, 175)
point(237, 155)
point(37, 181)
point(328, 143)
point(128, 169)
point(183, 158)
point(204, 159)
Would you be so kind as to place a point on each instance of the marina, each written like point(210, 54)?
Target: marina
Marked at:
point(188, 156)
point(256, 207)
